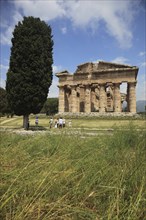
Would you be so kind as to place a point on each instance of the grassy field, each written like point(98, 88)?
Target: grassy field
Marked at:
point(57, 176)
point(92, 123)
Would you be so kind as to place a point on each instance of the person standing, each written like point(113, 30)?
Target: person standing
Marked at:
point(51, 122)
point(60, 122)
point(56, 123)
point(63, 122)
point(36, 121)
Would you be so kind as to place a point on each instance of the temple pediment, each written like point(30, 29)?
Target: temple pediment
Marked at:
point(109, 65)
point(84, 68)
point(63, 73)
point(100, 67)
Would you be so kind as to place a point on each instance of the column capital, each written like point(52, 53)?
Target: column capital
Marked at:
point(81, 85)
point(60, 86)
point(73, 87)
point(67, 86)
point(102, 84)
point(132, 83)
point(117, 84)
point(94, 85)
point(109, 84)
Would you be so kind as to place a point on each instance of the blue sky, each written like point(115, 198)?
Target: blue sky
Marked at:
point(83, 31)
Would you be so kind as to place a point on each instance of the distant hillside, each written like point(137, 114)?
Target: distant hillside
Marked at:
point(140, 105)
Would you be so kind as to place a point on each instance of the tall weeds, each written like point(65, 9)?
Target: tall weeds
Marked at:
point(60, 177)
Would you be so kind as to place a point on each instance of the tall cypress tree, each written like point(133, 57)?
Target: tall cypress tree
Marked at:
point(30, 72)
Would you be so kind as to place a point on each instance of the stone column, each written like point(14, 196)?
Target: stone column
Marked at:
point(61, 99)
point(82, 98)
point(132, 97)
point(78, 98)
point(97, 98)
point(73, 99)
point(127, 97)
point(88, 99)
point(112, 97)
point(67, 99)
point(102, 98)
point(93, 100)
point(117, 98)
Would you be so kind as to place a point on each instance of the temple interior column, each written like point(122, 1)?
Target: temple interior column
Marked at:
point(88, 99)
point(117, 98)
point(73, 99)
point(132, 97)
point(102, 98)
point(70, 101)
point(61, 99)
point(127, 97)
point(78, 99)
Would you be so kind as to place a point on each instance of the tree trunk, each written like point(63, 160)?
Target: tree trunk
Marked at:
point(26, 122)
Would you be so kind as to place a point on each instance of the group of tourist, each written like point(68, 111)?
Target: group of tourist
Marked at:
point(57, 123)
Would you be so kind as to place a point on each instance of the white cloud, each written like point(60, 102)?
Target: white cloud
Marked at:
point(121, 60)
point(54, 91)
point(46, 10)
point(143, 64)
point(2, 83)
point(56, 69)
point(116, 16)
point(142, 53)
point(7, 34)
point(141, 90)
point(3, 67)
point(3, 70)
point(123, 88)
point(64, 30)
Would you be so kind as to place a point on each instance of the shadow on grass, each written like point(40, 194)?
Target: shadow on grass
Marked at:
point(37, 128)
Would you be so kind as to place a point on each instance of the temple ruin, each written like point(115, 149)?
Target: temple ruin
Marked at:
point(95, 87)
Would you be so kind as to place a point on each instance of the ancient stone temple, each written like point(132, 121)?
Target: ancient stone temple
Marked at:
point(95, 87)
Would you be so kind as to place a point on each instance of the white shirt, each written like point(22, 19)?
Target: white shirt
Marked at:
point(60, 121)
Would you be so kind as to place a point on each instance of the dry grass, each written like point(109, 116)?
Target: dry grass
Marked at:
point(62, 177)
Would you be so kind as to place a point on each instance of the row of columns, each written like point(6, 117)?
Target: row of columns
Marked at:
point(81, 98)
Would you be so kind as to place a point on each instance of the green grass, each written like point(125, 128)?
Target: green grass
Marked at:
point(65, 177)
point(90, 123)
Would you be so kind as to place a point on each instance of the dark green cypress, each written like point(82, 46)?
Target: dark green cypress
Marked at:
point(30, 72)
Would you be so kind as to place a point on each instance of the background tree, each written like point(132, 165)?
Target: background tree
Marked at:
point(4, 107)
point(3, 101)
point(30, 72)
point(50, 106)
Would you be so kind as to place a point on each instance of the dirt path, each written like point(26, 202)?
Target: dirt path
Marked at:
point(7, 120)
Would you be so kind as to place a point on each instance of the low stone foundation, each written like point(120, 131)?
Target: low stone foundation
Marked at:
point(99, 115)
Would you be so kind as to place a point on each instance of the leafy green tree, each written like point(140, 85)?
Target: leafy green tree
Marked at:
point(30, 72)
point(50, 106)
